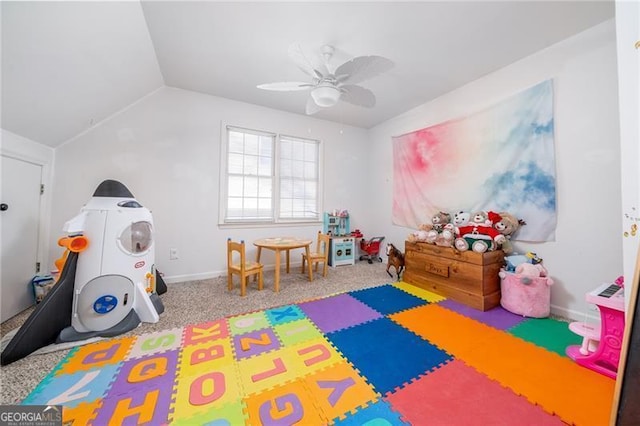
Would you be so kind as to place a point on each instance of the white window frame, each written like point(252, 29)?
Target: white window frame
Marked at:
point(276, 181)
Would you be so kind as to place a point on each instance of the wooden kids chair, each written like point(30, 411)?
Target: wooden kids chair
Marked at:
point(321, 255)
point(241, 267)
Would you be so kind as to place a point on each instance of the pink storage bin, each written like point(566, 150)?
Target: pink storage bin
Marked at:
point(529, 300)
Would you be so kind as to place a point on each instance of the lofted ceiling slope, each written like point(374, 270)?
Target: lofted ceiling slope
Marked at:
point(69, 65)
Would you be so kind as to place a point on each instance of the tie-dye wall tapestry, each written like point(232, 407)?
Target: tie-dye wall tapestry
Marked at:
point(500, 159)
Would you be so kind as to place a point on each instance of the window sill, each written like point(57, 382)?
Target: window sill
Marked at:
point(297, 224)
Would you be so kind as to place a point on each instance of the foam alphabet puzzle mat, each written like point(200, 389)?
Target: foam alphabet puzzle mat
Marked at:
point(387, 355)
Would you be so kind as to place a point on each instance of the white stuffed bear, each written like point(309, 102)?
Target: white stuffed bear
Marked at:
point(461, 218)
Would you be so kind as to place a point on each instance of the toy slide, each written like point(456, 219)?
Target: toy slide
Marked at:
point(108, 283)
point(45, 322)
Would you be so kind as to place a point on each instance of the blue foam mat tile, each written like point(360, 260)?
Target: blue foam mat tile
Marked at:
point(89, 385)
point(387, 299)
point(379, 414)
point(388, 355)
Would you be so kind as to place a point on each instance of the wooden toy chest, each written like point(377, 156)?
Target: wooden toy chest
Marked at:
point(466, 277)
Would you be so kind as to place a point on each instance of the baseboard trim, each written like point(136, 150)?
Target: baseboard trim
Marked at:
point(575, 315)
point(173, 279)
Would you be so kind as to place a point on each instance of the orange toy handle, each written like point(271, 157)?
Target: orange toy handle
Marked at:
point(151, 282)
point(75, 244)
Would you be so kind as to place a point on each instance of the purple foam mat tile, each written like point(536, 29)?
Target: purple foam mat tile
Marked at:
point(153, 371)
point(148, 405)
point(497, 317)
point(255, 342)
point(338, 312)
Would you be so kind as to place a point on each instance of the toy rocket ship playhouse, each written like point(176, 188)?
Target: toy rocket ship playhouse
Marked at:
point(107, 284)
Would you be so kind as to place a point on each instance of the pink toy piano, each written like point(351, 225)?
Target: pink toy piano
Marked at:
point(600, 349)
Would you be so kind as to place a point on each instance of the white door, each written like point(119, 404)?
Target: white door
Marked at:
point(19, 231)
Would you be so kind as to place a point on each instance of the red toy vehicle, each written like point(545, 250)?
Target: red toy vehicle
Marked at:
point(372, 248)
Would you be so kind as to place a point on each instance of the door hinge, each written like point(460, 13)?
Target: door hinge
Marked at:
point(37, 267)
point(41, 188)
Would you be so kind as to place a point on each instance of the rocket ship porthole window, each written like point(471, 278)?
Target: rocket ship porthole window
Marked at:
point(137, 237)
point(130, 204)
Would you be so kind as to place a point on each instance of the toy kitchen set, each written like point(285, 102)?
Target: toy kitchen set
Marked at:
point(342, 250)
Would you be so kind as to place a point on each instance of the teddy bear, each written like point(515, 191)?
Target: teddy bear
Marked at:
point(438, 222)
point(440, 219)
point(527, 271)
point(420, 235)
point(507, 225)
point(479, 234)
point(447, 236)
point(461, 218)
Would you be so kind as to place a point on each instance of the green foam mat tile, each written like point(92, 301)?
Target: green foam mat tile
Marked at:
point(551, 334)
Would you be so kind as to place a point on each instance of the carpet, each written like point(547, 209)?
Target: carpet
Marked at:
point(387, 355)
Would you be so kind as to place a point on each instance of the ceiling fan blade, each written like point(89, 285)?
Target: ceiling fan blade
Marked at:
point(323, 69)
point(358, 95)
point(362, 68)
point(300, 59)
point(285, 86)
point(311, 107)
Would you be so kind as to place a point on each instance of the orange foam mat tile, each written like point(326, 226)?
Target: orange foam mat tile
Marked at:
point(456, 394)
point(576, 394)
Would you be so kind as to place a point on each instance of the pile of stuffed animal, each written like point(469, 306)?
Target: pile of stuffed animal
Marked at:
point(479, 231)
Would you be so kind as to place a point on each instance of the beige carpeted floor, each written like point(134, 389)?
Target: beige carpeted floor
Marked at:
point(200, 301)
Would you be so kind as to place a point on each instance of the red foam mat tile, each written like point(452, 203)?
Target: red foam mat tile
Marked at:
point(456, 394)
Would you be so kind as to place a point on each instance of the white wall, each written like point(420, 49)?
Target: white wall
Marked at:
point(588, 249)
point(166, 150)
point(15, 146)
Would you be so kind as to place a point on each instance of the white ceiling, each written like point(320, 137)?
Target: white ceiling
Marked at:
point(69, 65)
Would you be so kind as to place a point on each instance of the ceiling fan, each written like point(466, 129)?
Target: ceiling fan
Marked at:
point(328, 85)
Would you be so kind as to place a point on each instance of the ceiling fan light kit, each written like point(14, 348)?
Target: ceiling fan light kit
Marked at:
point(328, 84)
point(325, 96)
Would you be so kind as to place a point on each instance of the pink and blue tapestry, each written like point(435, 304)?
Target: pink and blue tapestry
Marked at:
point(499, 159)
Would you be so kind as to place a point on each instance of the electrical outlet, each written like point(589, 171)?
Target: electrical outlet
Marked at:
point(173, 254)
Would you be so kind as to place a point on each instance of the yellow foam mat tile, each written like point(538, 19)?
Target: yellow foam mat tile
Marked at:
point(271, 369)
point(206, 356)
point(577, 395)
point(419, 292)
point(205, 390)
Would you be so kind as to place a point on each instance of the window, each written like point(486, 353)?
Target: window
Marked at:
point(137, 238)
point(298, 178)
point(270, 178)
